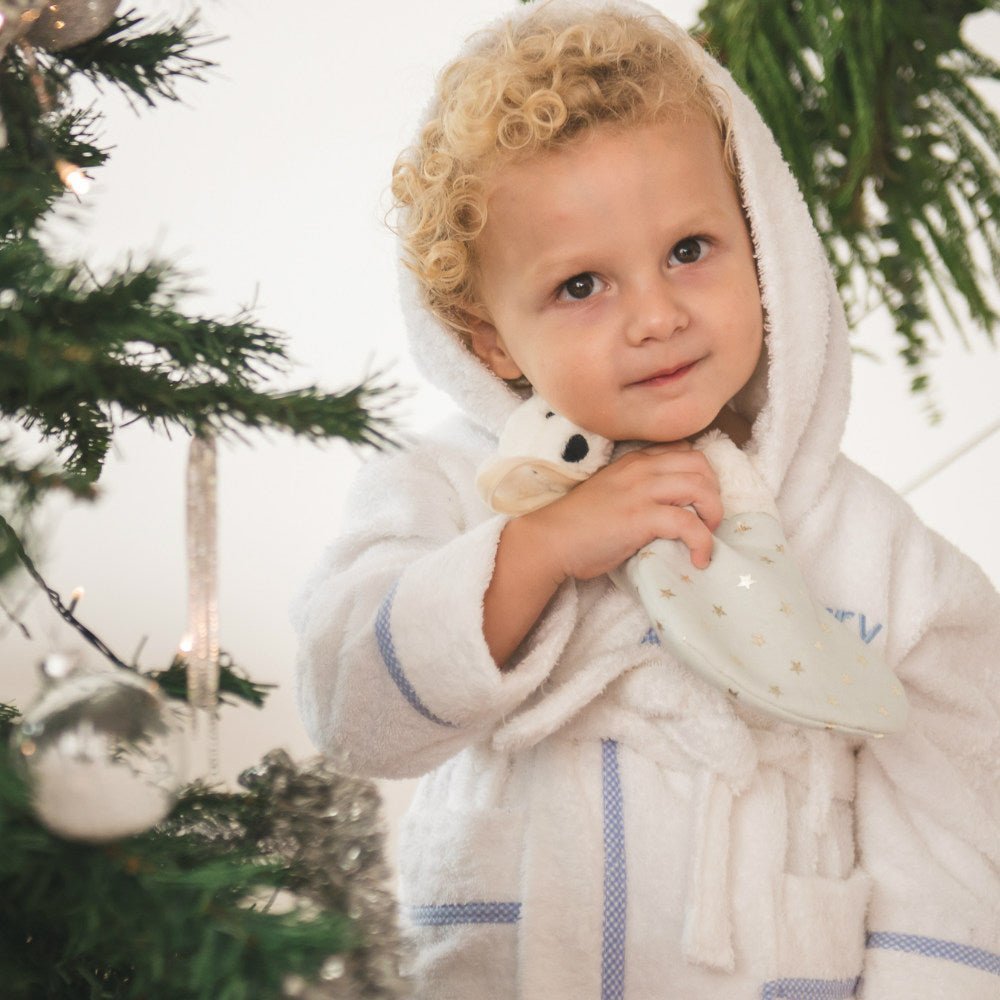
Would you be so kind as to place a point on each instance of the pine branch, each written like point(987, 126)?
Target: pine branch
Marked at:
point(173, 680)
point(145, 63)
point(78, 360)
point(874, 108)
point(162, 914)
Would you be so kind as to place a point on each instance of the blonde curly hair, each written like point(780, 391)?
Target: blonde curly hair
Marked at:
point(531, 84)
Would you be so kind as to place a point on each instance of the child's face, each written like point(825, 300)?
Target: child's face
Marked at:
point(617, 275)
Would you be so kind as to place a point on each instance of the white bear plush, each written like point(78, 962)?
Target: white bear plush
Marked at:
point(746, 623)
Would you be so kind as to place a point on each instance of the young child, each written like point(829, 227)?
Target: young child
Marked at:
point(593, 211)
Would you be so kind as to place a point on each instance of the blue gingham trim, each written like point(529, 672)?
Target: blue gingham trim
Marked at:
point(810, 989)
point(951, 951)
point(383, 633)
point(613, 946)
point(465, 913)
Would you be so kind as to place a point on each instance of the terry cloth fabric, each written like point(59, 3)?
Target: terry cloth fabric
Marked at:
point(598, 822)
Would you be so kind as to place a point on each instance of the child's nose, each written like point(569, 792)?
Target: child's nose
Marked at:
point(657, 312)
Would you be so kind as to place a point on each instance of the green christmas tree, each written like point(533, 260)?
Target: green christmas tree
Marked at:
point(273, 891)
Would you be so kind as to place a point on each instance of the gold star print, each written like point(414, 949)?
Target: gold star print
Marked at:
point(882, 710)
point(779, 548)
point(847, 679)
point(775, 690)
point(743, 527)
point(825, 626)
point(667, 593)
point(746, 581)
point(736, 660)
point(767, 559)
point(796, 667)
point(719, 610)
point(831, 700)
point(786, 608)
point(686, 578)
point(862, 659)
point(897, 689)
point(818, 644)
point(757, 639)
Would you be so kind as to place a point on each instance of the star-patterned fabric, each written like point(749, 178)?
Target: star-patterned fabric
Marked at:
point(748, 625)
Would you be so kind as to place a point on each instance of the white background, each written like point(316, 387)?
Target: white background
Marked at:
point(268, 185)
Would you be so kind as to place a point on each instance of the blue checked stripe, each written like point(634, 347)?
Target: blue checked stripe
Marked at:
point(383, 633)
point(951, 951)
point(613, 947)
point(465, 913)
point(809, 989)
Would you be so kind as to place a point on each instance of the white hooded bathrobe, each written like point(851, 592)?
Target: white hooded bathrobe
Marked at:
point(597, 823)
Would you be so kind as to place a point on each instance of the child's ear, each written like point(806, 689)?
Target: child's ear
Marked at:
point(488, 345)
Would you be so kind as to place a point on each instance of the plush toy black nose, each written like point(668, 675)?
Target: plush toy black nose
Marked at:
point(576, 449)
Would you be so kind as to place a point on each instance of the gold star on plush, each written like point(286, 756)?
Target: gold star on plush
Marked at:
point(818, 644)
point(831, 700)
point(847, 678)
point(825, 626)
point(775, 690)
point(743, 527)
point(667, 593)
point(786, 608)
point(779, 548)
point(757, 639)
point(897, 689)
point(767, 559)
point(746, 581)
point(862, 659)
point(719, 610)
point(736, 660)
point(686, 578)
point(796, 667)
point(882, 710)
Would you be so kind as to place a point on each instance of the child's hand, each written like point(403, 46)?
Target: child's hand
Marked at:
point(662, 491)
point(645, 495)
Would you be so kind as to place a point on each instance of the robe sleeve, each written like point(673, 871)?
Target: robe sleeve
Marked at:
point(394, 674)
point(928, 799)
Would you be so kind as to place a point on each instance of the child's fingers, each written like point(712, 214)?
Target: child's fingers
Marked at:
point(694, 491)
point(687, 527)
point(681, 477)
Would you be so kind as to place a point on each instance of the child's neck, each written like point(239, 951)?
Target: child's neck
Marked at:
point(737, 428)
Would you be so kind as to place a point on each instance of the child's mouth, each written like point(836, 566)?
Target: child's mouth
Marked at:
point(667, 376)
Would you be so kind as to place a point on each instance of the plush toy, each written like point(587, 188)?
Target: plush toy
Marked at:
point(746, 623)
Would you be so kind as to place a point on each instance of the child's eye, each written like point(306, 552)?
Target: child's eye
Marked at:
point(689, 250)
point(580, 286)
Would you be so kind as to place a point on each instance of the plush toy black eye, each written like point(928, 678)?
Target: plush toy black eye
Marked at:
point(576, 449)
point(549, 414)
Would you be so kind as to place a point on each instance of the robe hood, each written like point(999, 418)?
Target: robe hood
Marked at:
point(799, 396)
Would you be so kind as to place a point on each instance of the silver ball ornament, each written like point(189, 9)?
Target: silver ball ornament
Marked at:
point(16, 18)
point(103, 753)
point(65, 23)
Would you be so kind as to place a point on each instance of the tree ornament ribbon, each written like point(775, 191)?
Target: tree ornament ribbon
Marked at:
point(202, 553)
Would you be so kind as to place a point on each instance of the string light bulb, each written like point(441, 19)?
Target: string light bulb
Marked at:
point(75, 598)
point(73, 178)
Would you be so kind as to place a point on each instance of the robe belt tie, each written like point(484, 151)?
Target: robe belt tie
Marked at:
point(707, 937)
